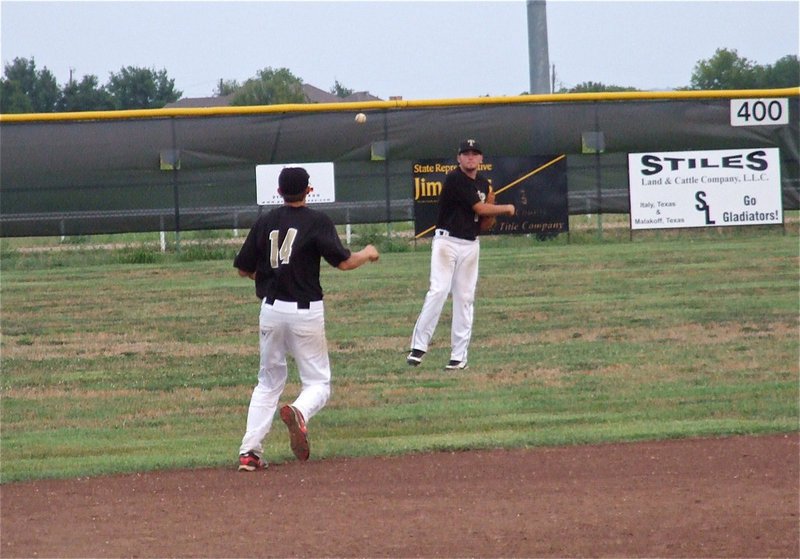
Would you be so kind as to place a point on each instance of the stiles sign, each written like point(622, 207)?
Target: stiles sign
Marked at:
point(705, 188)
point(536, 185)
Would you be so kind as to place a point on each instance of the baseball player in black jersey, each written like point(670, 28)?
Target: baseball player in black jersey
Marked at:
point(454, 255)
point(282, 254)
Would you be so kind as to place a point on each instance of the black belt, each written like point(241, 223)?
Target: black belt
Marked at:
point(300, 304)
point(445, 233)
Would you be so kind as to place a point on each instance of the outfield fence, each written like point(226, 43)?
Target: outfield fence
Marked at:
point(193, 169)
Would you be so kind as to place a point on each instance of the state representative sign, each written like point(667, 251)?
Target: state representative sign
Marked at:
point(536, 185)
point(705, 188)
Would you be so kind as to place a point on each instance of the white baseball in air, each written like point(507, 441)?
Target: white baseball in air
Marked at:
point(361, 118)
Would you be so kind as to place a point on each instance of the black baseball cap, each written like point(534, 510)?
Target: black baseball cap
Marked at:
point(293, 180)
point(469, 145)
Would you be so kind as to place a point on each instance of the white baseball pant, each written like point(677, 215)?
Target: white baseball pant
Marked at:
point(454, 269)
point(286, 329)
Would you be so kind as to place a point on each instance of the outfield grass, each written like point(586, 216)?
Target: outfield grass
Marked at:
point(109, 365)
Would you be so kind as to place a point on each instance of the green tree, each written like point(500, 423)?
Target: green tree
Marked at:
point(226, 87)
point(270, 87)
point(13, 99)
point(85, 95)
point(595, 87)
point(341, 91)
point(23, 89)
point(141, 88)
point(725, 70)
point(784, 73)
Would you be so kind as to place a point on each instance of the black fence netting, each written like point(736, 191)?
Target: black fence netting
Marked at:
point(195, 169)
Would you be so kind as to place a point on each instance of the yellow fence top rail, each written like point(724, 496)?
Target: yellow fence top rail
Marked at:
point(399, 104)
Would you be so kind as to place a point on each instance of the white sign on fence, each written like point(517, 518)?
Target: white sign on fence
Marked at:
point(321, 181)
point(705, 188)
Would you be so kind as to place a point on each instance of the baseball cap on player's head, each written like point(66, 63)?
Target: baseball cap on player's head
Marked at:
point(292, 181)
point(469, 145)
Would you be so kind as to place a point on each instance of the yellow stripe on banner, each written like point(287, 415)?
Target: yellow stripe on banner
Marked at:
point(428, 230)
point(542, 168)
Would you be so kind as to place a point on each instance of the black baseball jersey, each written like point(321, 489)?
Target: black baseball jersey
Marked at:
point(459, 194)
point(284, 248)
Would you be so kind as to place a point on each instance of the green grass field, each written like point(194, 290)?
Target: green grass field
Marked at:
point(121, 361)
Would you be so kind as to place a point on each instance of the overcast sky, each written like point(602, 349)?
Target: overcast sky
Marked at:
point(417, 50)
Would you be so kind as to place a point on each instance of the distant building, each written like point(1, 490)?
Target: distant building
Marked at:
point(313, 95)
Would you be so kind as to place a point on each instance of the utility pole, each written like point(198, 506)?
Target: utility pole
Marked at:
point(538, 57)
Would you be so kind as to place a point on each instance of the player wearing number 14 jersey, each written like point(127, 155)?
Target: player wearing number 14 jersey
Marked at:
point(282, 253)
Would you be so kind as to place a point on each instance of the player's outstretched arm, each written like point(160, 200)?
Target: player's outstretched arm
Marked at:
point(367, 254)
point(484, 209)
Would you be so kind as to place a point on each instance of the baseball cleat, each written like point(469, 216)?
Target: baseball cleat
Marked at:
point(456, 364)
point(298, 433)
point(250, 462)
point(415, 357)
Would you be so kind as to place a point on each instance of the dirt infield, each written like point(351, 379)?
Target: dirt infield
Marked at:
point(728, 497)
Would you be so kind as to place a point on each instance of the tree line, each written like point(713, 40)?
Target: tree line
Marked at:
point(725, 70)
point(26, 89)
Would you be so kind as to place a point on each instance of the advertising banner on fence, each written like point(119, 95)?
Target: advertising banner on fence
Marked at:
point(705, 188)
point(536, 185)
point(321, 181)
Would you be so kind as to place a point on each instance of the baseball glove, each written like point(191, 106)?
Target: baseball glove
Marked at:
point(486, 222)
